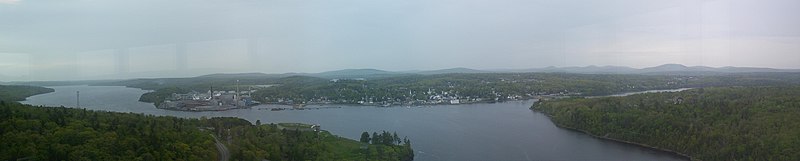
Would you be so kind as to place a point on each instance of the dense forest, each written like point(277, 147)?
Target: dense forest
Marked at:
point(19, 93)
point(722, 123)
point(59, 133)
point(275, 142)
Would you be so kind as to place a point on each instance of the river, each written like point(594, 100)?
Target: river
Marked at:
point(499, 131)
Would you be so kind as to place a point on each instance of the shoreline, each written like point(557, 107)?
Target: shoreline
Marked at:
point(400, 105)
point(685, 156)
point(419, 105)
point(335, 105)
point(391, 106)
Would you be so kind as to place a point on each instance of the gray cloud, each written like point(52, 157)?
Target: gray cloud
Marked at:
point(9, 1)
point(90, 39)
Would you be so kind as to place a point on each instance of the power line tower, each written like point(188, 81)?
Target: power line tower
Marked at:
point(78, 98)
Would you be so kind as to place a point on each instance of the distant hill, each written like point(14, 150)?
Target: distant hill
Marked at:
point(355, 73)
point(452, 70)
point(599, 69)
point(661, 69)
point(217, 75)
point(300, 79)
point(678, 68)
point(258, 78)
point(245, 75)
point(583, 70)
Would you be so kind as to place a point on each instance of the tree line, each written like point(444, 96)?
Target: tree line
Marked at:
point(722, 123)
point(58, 133)
point(20, 92)
point(376, 143)
point(272, 142)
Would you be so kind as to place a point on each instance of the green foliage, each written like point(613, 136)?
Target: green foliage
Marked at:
point(273, 142)
point(389, 143)
point(58, 133)
point(730, 123)
point(365, 137)
point(19, 93)
point(159, 96)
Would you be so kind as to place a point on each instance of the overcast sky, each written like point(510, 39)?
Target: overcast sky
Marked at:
point(95, 39)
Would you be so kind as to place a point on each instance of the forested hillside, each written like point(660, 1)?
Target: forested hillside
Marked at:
point(725, 123)
point(19, 92)
point(273, 142)
point(59, 133)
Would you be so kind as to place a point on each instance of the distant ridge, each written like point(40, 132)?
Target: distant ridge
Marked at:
point(232, 75)
point(356, 73)
point(661, 69)
point(452, 70)
point(366, 73)
point(665, 69)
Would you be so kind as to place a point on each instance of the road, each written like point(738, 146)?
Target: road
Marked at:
point(224, 154)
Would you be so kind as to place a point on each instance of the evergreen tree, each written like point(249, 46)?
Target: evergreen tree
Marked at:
point(365, 137)
point(375, 138)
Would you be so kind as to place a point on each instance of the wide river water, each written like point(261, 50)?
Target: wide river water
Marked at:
point(499, 131)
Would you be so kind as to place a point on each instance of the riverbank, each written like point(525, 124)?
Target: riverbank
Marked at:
point(21, 92)
point(686, 156)
point(444, 103)
point(620, 141)
point(717, 123)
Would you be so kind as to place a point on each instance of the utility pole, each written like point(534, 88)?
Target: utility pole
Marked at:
point(78, 98)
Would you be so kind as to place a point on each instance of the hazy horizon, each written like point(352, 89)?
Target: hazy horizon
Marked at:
point(89, 39)
point(149, 75)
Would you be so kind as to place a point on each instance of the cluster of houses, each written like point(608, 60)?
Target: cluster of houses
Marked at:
point(432, 97)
